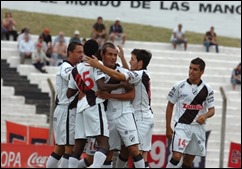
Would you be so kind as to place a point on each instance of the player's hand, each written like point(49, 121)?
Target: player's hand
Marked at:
point(169, 132)
point(92, 61)
point(201, 119)
point(81, 95)
point(102, 95)
point(127, 86)
point(120, 52)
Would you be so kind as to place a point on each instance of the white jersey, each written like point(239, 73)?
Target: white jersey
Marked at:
point(62, 78)
point(115, 108)
point(83, 78)
point(191, 100)
point(65, 113)
point(178, 33)
point(142, 100)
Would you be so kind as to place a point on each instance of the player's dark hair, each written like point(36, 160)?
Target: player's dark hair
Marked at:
point(72, 46)
point(200, 62)
point(135, 52)
point(107, 45)
point(142, 55)
point(90, 47)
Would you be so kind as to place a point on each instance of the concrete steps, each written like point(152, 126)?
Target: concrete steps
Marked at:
point(166, 68)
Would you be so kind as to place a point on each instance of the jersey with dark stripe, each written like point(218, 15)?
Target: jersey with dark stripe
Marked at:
point(83, 78)
point(191, 100)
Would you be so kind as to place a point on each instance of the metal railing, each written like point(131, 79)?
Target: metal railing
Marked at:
point(52, 103)
point(223, 127)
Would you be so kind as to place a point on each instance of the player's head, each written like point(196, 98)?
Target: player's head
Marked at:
point(200, 62)
point(109, 54)
point(196, 70)
point(75, 52)
point(140, 59)
point(91, 48)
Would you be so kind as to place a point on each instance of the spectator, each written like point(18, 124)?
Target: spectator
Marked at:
point(59, 51)
point(3, 31)
point(76, 37)
point(9, 25)
point(61, 35)
point(22, 34)
point(42, 42)
point(116, 31)
point(39, 58)
point(48, 40)
point(83, 41)
point(26, 48)
point(178, 37)
point(99, 31)
point(236, 76)
point(210, 39)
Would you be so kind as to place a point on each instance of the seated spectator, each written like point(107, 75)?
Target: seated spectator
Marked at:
point(39, 58)
point(61, 35)
point(210, 39)
point(59, 51)
point(3, 31)
point(236, 76)
point(26, 48)
point(9, 25)
point(76, 37)
point(40, 41)
point(116, 31)
point(22, 34)
point(48, 40)
point(178, 37)
point(99, 31)
point(83, 41)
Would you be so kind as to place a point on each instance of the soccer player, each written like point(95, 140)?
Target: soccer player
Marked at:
point(139, 77)
point(65, 111)
point(91, 119)
point(194, 101)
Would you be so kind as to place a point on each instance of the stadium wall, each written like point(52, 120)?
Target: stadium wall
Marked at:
point(196, 16)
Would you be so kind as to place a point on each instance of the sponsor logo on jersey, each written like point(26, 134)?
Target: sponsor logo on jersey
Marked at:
point(192, 107)
point(132, 138)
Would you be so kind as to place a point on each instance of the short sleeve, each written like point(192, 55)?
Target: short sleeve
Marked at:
point(173, 95)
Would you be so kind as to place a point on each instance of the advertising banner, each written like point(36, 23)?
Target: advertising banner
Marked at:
point(24, 156)
point(234, 155)
point(21, 134)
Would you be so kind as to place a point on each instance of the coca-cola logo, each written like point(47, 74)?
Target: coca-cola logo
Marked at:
point(35, 160)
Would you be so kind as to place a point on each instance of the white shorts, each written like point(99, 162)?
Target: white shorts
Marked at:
point(91, 122)
point(145, 131)
point(189, 139)
point(123, 131)
point(64, 125)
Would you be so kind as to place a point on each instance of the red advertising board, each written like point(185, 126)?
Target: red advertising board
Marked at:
point(234, 155)
point(21, 134)
point(24, 156)
point(16, 133)
point(157, 156)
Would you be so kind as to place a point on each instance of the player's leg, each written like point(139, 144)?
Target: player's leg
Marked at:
point(96, 116)
point(187, 161)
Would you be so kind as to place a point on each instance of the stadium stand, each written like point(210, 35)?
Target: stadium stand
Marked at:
point(166, 68)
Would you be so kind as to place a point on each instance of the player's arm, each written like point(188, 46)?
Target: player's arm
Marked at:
point(102, 86)
point(72, 89)
point(122, 58)
point(123, 97)
point(202, 118)
point(113, 73)
point(169, 110)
